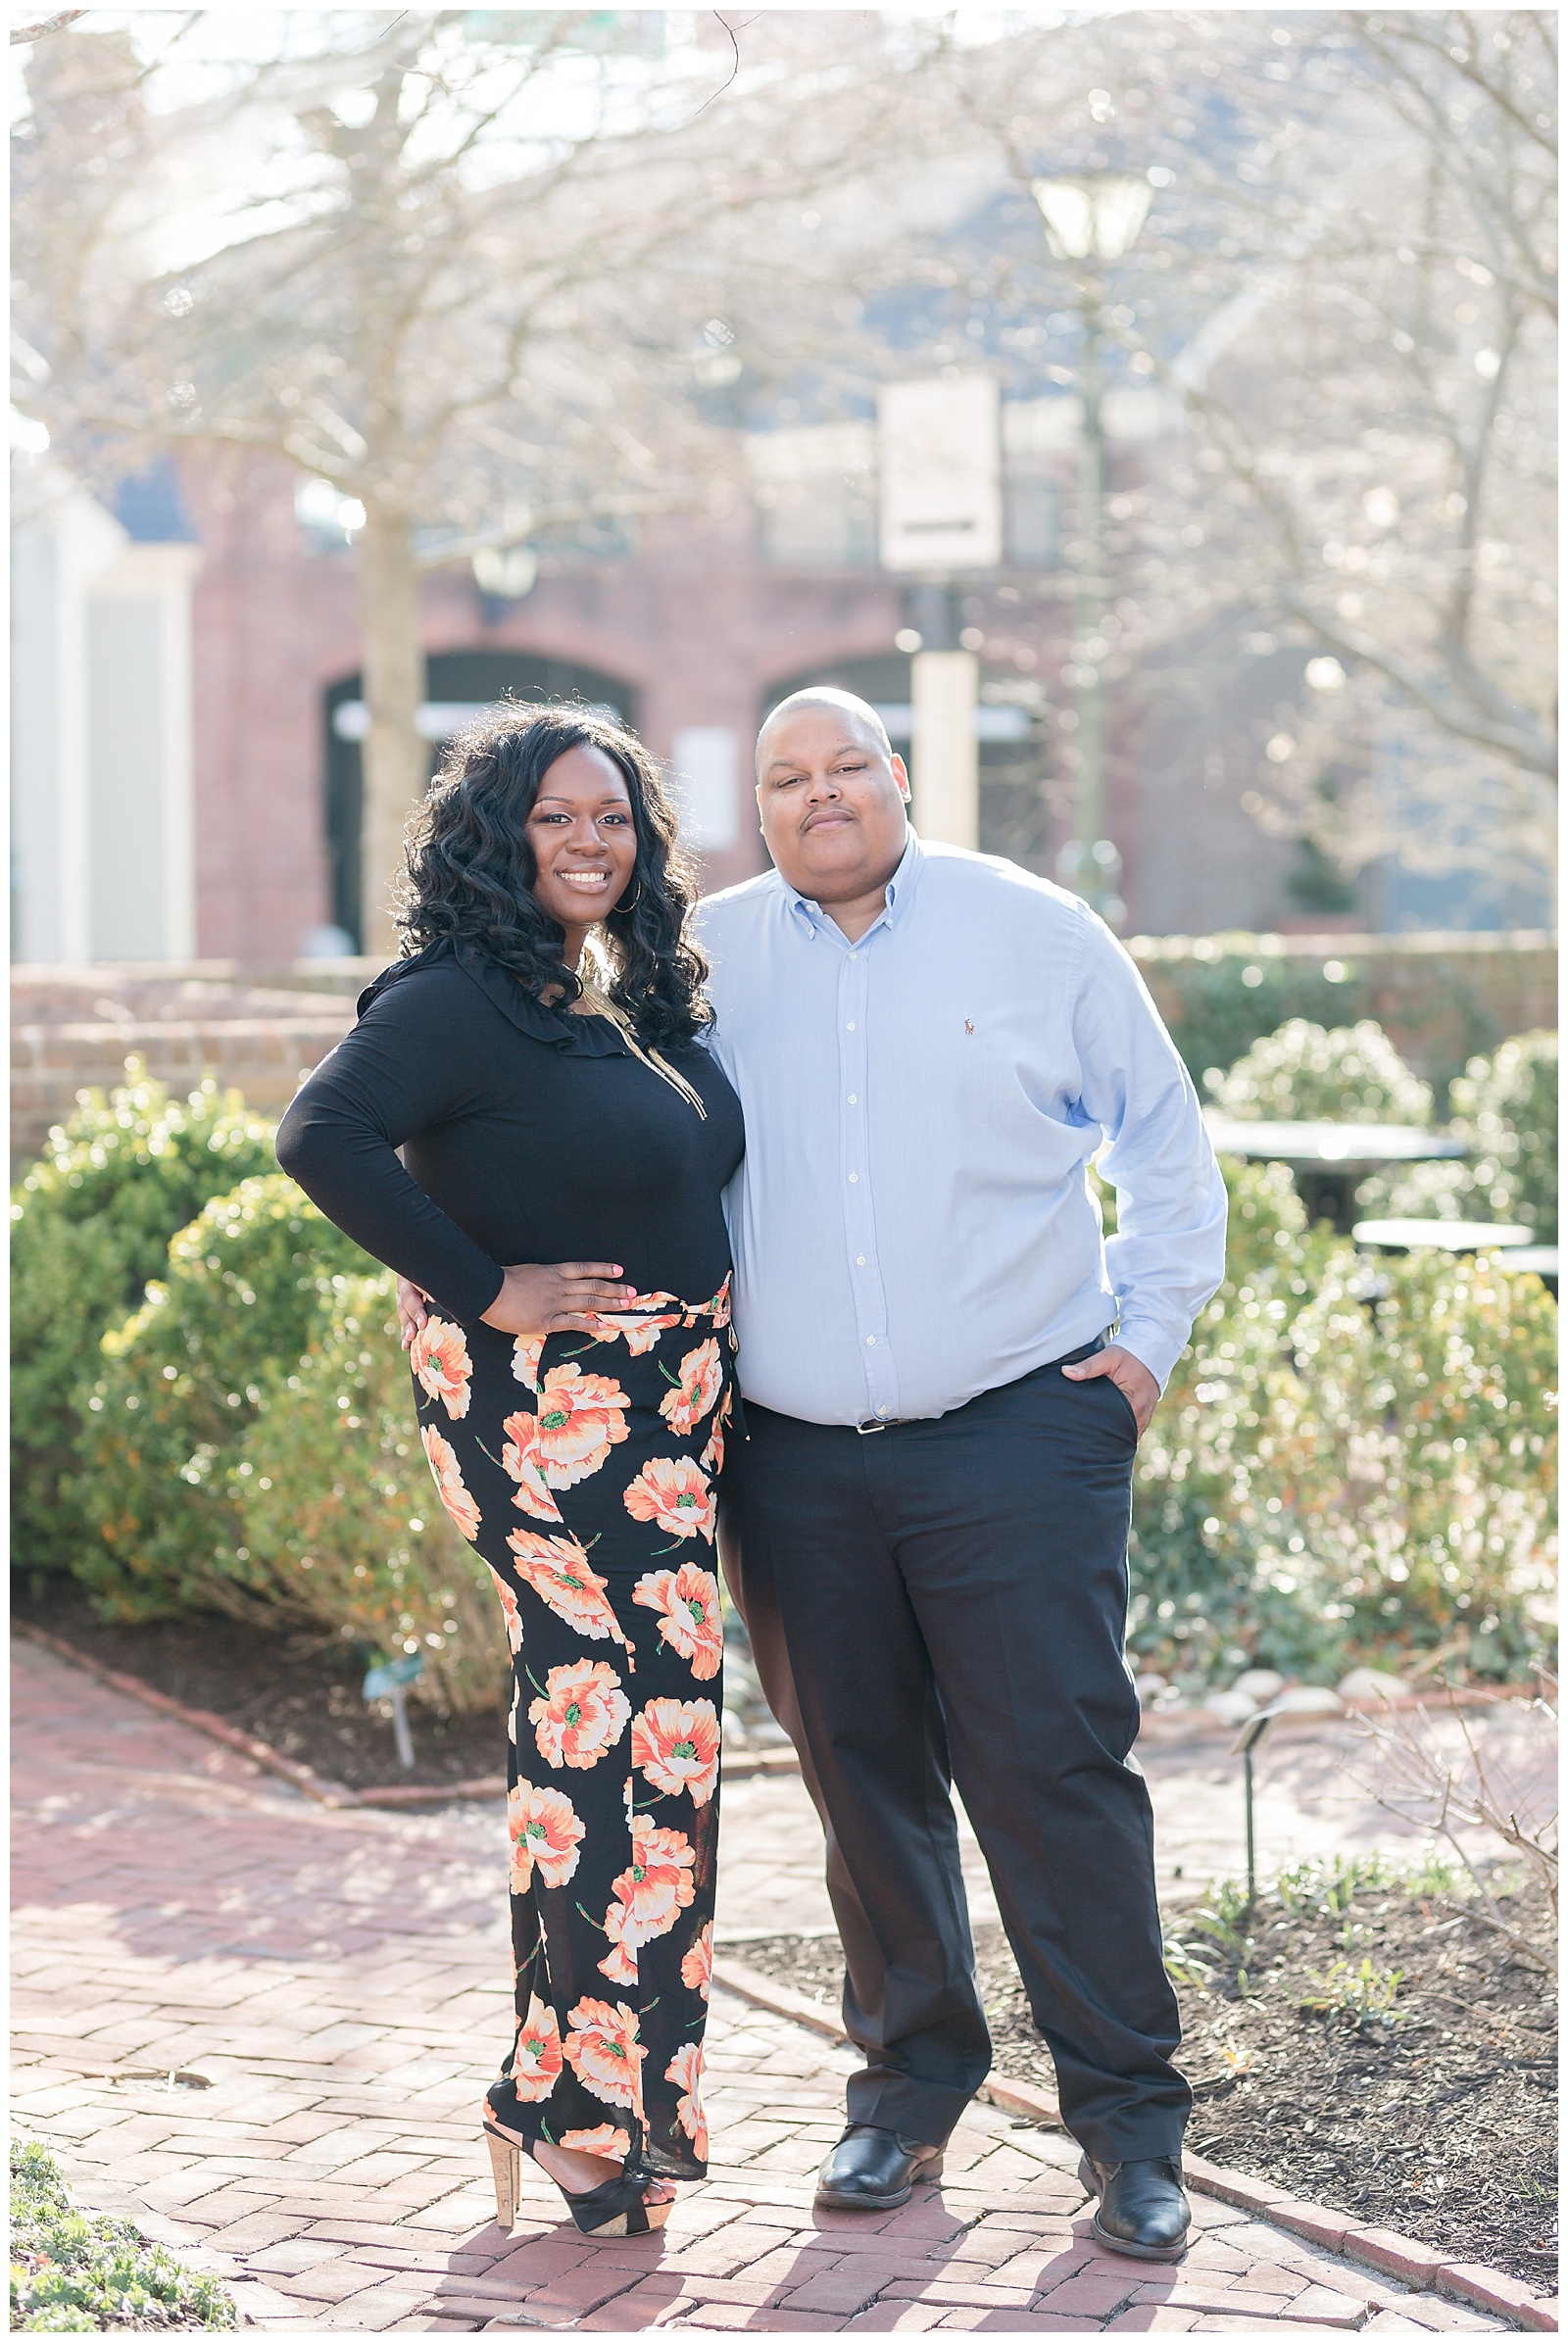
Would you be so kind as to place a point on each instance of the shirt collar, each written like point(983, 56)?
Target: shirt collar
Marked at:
point(900, 887)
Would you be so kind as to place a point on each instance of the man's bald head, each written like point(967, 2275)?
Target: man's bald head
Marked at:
point(833, 798)
point(857, 711)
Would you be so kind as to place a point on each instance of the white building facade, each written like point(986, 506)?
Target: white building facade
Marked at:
point(102, 751)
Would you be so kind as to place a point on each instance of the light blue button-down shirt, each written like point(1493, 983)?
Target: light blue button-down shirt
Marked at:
point(912, 1222)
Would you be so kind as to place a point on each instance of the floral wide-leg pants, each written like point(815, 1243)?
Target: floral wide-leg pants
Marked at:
point(582, 1468)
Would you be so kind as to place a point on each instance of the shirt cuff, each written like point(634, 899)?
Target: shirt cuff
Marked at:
point(468, 1297)
point(1151, 1345)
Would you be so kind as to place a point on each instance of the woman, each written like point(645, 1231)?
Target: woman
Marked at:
point(534, 1056)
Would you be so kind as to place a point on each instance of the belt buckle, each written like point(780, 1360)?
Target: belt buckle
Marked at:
point(873, 1423)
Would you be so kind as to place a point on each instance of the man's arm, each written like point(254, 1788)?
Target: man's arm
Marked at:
point(1169, 1254)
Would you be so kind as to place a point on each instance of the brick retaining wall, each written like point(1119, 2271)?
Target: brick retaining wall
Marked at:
point(73, 1029)
point(261, 1028)
point(1439, 997)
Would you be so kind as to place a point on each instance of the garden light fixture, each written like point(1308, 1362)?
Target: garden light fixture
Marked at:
point(391, 1682)
point(1253, 1732)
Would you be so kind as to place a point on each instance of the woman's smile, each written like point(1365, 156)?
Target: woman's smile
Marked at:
point(582, 807)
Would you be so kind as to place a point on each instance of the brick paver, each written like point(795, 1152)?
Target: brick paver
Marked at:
point(329, 1990)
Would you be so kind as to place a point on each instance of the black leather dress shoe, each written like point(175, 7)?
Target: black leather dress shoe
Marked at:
point(874, 2170)
point(1142, 2210)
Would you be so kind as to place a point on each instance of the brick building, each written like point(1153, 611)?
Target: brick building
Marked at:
point(189, 711)
point(691, 631)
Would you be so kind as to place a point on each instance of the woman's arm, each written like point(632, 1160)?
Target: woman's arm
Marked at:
point(399, 1071)
point(414, 1060)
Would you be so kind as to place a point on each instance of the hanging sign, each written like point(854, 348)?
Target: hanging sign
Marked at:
point(941, 475)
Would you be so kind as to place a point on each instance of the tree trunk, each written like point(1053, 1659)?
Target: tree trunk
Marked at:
point(396, 759)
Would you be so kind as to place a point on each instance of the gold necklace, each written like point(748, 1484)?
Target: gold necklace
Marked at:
point(599, 1003)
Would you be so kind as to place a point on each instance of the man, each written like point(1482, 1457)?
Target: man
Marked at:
point(925, 1529)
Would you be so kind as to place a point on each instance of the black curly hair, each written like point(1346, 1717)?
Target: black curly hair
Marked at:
point(471, 871)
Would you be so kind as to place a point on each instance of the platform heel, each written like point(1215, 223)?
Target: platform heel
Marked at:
point(614, 2208)
point(506, 2169)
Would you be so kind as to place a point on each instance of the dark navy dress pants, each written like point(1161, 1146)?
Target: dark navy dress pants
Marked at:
point(946, 1601)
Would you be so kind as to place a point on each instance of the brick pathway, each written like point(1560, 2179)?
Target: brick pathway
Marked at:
point(338, 1982)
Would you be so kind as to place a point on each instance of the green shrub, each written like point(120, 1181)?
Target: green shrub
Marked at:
point(341, 1524)
point(90, 1223)
point(1223, 992)
point(72, 2274)
point(1342, 1469)
point(179, 1385)
point(1304, 1073)
point(1505, 1107)
point(1415, 1431)
point(1204, 1600)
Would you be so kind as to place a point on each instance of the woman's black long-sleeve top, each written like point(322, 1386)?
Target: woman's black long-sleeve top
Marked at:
point(527, 1135)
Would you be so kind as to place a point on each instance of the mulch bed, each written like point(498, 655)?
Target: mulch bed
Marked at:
point(1441, 2125)
point(296, 1691)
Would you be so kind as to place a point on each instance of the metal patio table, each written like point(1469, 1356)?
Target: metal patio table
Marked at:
point(1441, 1236)
point(1331, 1160)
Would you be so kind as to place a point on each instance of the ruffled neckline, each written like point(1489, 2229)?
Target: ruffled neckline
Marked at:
point(574, 1036)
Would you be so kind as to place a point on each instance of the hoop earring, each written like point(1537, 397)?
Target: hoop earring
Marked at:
point(636, 899)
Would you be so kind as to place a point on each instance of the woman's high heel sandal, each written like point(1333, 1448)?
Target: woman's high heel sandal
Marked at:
point(616, 2208)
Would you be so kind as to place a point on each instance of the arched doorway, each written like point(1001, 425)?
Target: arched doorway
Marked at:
point(1015, 819)
point(457, 683)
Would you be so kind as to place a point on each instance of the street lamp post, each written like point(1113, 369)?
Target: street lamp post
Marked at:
point(1090, 220)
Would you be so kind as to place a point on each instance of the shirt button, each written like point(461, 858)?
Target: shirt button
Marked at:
point(850, 1027)
point(859, 1260)
point(881, 1410)
point(854, 1178)
point(871, 1341)
point(854, 955)
point(854, 1101)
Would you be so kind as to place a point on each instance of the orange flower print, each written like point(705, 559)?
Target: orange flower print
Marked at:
point(509, 1611)
point(675, 1744)
point(685, 2071)
point(546, 1835)
point(697, 1969)
point(557, 1567)
point(649, 1898)
point(712, 1459)
point(536, 2059)
point(718, 1307)
point(606, 2140)
point(442, 1458)
point(583, 1713)
point(581, 1417)
point(638, 1333)
point(439, 1356)
point(700, 1377)
point(520, 1458)
point(690, 1625)
point(527, 1353)
point(674, 1492)
point(618, 1964)
point(604, 2052)
point(642, 1333)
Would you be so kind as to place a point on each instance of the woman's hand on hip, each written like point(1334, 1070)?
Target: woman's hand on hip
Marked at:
point(531, 1300)
point(564, 1297)
point(414, 1309)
